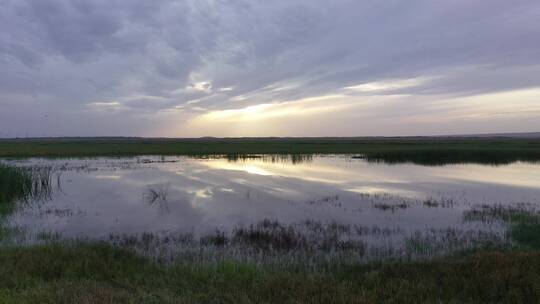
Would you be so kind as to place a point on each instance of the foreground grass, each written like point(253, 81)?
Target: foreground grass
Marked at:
point(417, 150)
point(99, 273)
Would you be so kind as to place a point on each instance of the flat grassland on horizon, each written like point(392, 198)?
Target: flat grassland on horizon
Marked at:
point(423, 150)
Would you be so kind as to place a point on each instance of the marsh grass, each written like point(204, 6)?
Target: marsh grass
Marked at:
point(498, 212)
point(439, 203)
point(156, 194)
point(425, 151)
point(448, 241)
point(18, 186)
point(270, 158)
point(523, 221)
point(328, 200)
point(25, 183)
point(392, 207)
point(100, 273)
point(15, 183)
point(317, 246)
point(525, 230)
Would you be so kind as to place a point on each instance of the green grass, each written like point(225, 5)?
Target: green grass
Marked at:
point(99, 273)
point(523, 221)
point(14, 184)
point(525, 230)
point(18, 183)
point(432, 151)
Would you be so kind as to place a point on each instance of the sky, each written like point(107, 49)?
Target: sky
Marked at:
point(234, 68)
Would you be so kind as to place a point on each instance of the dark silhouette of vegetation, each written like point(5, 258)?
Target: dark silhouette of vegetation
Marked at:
point(523, 219)
point(426, 151)
point(15, 183)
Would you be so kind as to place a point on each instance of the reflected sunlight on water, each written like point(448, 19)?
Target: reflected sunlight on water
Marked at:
point(110, 196)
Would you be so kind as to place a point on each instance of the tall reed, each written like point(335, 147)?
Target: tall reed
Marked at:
point(14, 184)
point(18, 183)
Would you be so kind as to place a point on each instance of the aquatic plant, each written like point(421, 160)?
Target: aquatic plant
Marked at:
point(316, 245)
point(523, 220)
point(330, 200)
point(20, 185)
point(271, 158)
point(439, 203)
point(156, 194)
point(498, 212)
point(525, 230)
point(14, 183)
point(391, 206)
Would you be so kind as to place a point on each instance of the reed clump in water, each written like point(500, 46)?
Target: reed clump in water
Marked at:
point(498, 212)
point(15, 183)
point(23, 183)
point(523, 221)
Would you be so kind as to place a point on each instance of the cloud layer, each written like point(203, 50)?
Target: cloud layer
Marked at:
point(284, 67)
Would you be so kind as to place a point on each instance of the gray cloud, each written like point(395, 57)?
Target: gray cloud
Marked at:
point(135, 60)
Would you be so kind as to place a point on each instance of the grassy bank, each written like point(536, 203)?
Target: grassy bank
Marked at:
point(98, 273)
point(417, 150)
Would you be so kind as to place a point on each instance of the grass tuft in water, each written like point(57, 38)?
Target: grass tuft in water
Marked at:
point(15, 183)
point(20, 184)
point(525, 230)
point(523, 221)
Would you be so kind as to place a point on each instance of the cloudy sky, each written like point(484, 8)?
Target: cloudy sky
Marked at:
point(268, 68)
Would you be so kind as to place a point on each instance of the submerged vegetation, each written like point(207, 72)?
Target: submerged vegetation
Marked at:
point(428, 151)
point(523, 221)
point(312, 246)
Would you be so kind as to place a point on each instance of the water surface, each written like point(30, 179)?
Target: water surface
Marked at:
point(100, 197)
